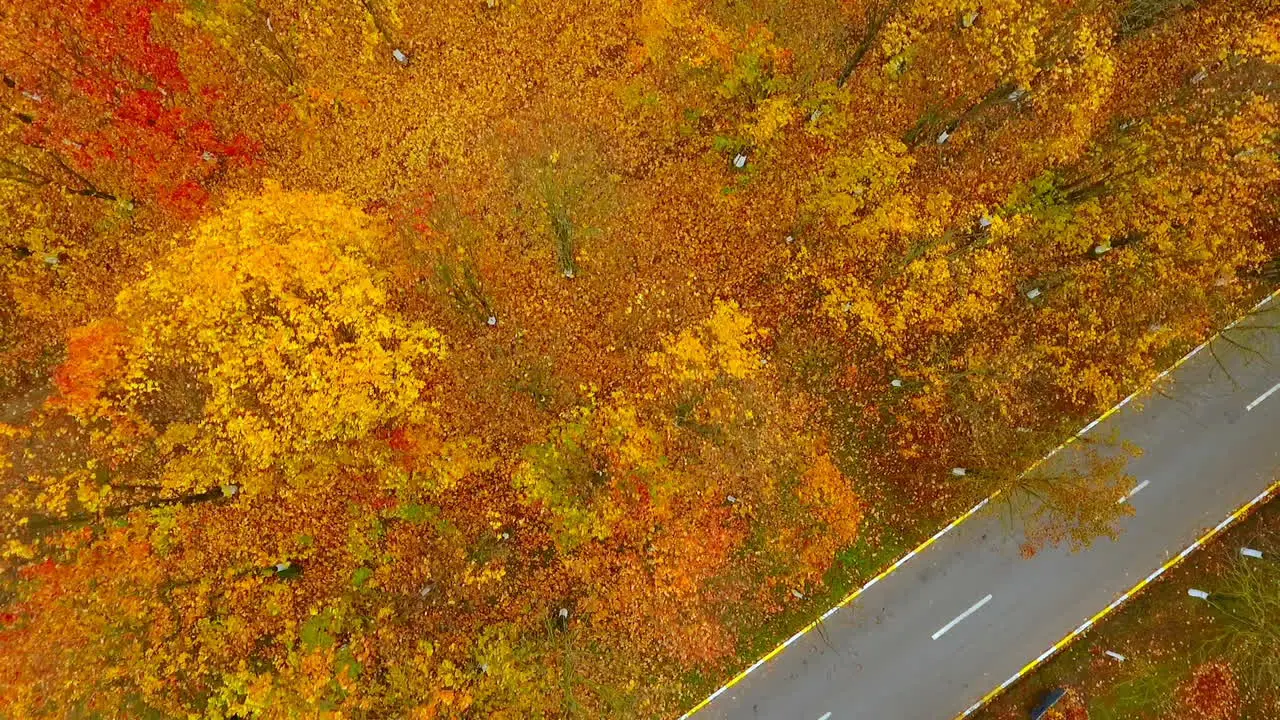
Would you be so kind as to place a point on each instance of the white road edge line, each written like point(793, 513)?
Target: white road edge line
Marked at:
point(1134, 491)
point(962, 616)
point(1262, 397)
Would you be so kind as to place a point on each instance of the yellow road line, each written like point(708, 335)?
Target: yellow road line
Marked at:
point(1233, 517)
point(922, 546)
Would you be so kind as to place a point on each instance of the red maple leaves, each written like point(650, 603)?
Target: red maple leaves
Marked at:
point(107, 106)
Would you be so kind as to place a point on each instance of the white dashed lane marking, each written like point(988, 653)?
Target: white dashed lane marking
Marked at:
point(962, 616)
point(1262, 397)
point(1134, 491)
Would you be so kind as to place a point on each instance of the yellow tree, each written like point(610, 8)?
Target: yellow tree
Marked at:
point(230, 434)
point(1137, 249)
point(270, 337)
point(262, 352)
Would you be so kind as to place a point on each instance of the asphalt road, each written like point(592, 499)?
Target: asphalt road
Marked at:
point(932, 638)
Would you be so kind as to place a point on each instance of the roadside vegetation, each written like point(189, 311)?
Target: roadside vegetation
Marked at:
point(483, 358)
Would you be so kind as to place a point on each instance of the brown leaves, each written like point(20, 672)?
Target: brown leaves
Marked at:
point(1210, 693)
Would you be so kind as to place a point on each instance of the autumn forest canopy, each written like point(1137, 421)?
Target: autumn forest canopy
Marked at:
point(540, 359)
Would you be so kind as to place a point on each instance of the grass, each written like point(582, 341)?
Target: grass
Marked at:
point(1145, 14)
point(1148, 688)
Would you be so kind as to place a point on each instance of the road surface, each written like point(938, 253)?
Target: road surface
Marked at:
point(936, 635)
